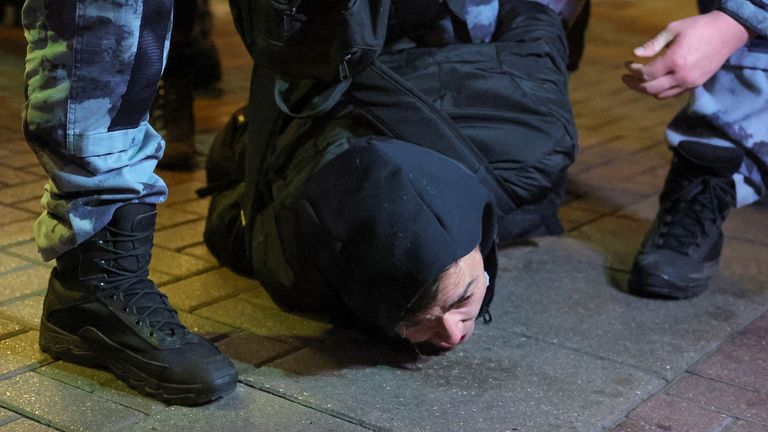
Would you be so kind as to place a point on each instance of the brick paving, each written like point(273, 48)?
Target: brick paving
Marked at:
point(568, 350)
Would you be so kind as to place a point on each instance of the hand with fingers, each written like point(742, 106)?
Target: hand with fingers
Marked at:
point(691, 51)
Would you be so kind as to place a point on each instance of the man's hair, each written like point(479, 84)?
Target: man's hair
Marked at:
point(426, 297)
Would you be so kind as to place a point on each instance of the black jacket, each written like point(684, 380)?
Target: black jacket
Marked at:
point(346, 218)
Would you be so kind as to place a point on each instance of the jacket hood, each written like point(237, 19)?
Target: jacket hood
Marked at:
point(384, 218)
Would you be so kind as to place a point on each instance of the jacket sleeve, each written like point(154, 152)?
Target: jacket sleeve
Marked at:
point(753, 14)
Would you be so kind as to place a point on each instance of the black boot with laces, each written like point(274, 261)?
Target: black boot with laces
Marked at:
point(680, 252)
point(102, 310)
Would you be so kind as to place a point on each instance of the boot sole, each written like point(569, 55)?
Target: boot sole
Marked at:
point(654, 285)
point(71, 348)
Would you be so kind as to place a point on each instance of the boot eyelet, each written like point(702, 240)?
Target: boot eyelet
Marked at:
point(137, 323)
point(125, 309)
point(151, 333)
point(113, 297)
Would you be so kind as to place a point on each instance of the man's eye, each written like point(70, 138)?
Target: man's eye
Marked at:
point(463, 301)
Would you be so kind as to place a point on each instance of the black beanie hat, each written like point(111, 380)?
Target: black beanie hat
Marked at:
point(384, 218)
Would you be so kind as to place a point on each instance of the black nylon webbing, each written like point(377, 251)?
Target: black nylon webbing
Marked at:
point(147, 65)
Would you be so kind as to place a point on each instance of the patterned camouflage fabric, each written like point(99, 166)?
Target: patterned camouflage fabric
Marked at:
point(80, 60)
point(481, 18)
point(731, 109)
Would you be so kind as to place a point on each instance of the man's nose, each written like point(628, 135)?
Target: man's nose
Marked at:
point(451, 330)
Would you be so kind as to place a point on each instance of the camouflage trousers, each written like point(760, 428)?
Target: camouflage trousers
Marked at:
point(731, 109)
point(92, 69)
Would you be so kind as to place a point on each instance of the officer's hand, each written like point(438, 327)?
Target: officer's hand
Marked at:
point(696, 48)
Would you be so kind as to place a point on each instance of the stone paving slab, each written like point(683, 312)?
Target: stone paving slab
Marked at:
point(742, 361)
point(245, 410)
point(26, 425)
point(207, 288)
point(16, 232)
point(549, 293)
point(20, 354)
point(63, 406)
point(672, 414)
point(8, 262)
point(24, 281)
point(726, 398)
point(7, 416)
point(25, 312)
point(266, 321)
point(742, 426)
point(499, 381)
point(100, 383)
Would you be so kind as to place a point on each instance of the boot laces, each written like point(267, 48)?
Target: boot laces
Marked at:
point(702, 204)
point(135, 287)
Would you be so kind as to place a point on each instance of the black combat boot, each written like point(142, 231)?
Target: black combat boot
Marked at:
point(172, 115)
point(101, 310)
point(681, 251)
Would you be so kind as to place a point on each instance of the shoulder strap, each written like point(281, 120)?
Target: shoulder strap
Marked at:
point(402, 111)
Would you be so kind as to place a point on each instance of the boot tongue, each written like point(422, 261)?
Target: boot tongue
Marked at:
point(134, 219)
point(700, 158)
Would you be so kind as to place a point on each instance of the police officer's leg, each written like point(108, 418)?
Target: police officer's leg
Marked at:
point(721, 161)
point(92, 71)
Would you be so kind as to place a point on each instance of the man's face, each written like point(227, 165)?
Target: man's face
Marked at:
point(451, 320)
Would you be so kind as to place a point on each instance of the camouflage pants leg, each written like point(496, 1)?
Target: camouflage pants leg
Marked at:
point(92, 70)
point(731, 109)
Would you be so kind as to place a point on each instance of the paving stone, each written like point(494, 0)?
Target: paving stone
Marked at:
point(550, 293)
point(10, 214)
point(33, 206)
point(175, 179)
point(26, 312)
point(8, 262)
point(673, 415)
point(176, 264)
point(742, 361)
point(573, 217)
point(200, 251)
point(160, 277)
point(635, 426)
point(16, 232)
point(758, 327)
point(265, 321)
point(602, 200)
point(727, 399)
point(493, 382)
point(24, 281)
point(743, 270)
point(253, 349)
point(29, 250)
point(245, 410)
point(748, 223)
point(620, 173)
point(167, 216)
point(742, 426)
point(22, 192)
point(9, 328)
point(12, 176)
point(102, 384)
point(64, 406)
point(21, 353)
point(197, 206)
point(178, 193)
point(204, 327)
point(20, 160)
point(181, 235)
point(206, 288)
point(619, 238)
point(26, 425)
point(7, 416)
